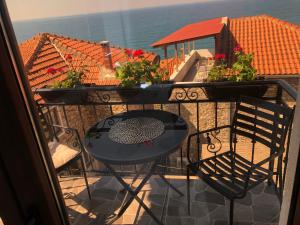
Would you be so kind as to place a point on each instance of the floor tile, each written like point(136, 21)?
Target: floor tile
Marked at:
point(210, 197)
point(208, 207)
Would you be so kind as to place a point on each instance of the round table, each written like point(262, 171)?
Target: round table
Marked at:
point(99, 145)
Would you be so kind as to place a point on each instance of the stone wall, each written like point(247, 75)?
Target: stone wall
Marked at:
point(294, 82)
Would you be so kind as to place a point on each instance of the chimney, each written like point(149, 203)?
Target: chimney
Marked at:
point(106, 54)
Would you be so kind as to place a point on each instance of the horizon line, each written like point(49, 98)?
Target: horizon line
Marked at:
point(113, 11)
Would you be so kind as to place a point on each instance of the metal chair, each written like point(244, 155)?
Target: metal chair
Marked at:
point(65, 155)
point(231, 174)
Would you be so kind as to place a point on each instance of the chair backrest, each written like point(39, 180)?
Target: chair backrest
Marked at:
point(262, 121)
point(48, 131)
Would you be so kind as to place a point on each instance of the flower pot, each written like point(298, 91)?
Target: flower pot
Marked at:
point(233, 90)
point(158, 93)
point(69, 96)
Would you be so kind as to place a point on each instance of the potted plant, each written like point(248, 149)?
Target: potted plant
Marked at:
point(142, 81)
point(232, 82)
point(66, 90)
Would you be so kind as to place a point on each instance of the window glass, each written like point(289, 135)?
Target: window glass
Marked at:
point(87, 61)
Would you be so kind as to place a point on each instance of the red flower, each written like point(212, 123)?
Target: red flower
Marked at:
point(128, 52)
point(60, 70)
point(237, 48)
point(69, 57)
point(149, 143)
point(51, 70)
point(219, 56)
point(138, 53)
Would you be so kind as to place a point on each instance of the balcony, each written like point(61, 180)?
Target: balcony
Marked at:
point(260, 206)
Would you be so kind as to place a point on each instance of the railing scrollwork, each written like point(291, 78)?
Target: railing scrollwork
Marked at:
point(211, 146)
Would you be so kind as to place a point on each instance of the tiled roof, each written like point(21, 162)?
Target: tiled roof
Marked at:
point(48, 50)
point(275, 44)
point(193, 31)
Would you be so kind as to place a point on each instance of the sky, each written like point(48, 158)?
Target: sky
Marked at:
point(34, 9)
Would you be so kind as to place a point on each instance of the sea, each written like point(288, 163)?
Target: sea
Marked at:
point(140, 27)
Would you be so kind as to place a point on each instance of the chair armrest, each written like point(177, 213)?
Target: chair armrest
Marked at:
point(257, 165)
point(264, 161)
point(201, 132)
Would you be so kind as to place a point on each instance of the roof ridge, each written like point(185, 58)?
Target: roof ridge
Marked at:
point(96, 42)
point(42, 39)
point(55, 35)
point(278, 21)
point(73, 38)
point(285, 23)
point(250, 17)
point(82, 55)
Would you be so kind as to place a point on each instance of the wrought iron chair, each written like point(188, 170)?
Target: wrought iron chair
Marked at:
point(231, 174)
point(64, 155)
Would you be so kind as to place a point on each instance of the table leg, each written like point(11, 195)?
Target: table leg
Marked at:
point(133, 180)
point(135, 192)
point(171, 185)
point(166, 181)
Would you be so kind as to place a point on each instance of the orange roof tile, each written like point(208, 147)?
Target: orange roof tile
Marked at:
point(275, 44)
point(48, 50)
point(202, 29)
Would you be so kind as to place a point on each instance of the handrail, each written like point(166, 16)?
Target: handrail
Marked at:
point(288, 88)
point(188, 87)
point(285, 85)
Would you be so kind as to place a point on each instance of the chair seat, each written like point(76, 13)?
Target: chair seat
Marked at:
point(62, 154)
point(227, 174)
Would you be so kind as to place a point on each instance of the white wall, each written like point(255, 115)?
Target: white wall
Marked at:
point(292, 165)
point(185, 66)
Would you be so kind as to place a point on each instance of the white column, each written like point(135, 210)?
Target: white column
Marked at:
point(291, 165)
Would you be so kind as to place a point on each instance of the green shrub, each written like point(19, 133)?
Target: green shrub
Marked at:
point(241, 70)
point(134, 73)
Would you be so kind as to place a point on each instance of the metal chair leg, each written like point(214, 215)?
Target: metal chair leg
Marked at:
point(188, 190)
point(85, 178)
point(231, 212)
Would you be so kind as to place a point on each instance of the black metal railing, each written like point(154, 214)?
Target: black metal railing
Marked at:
point(81, 108)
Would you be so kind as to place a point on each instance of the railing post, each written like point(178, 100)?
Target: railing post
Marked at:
point(279, 162)
point(166, 57)
point(65, 115)
point(176, 55)
point(183, 52)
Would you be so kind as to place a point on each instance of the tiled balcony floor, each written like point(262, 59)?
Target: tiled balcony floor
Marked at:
point(260, 207)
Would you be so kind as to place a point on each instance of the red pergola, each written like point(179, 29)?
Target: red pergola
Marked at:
point(192, 32)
